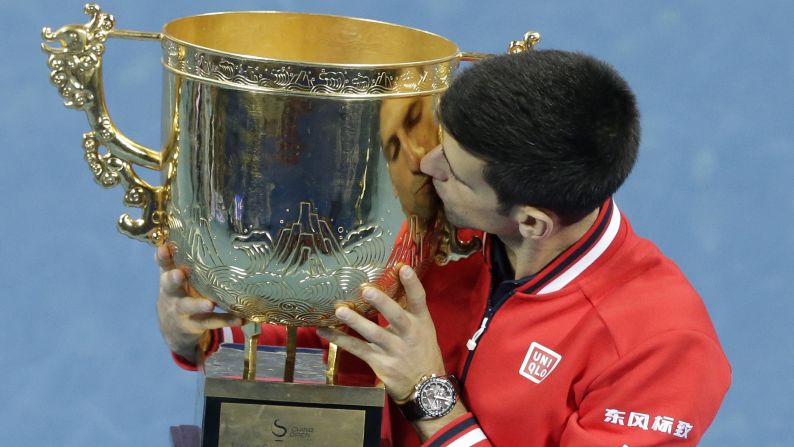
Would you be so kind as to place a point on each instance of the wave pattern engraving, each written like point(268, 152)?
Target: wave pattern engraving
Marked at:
point(304, 79)
point(296, 280)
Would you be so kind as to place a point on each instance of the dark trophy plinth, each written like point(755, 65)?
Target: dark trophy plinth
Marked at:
point(270, 412)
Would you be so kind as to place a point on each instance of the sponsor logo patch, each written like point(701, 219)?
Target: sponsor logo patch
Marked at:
point(539, 362)
point(662, 424)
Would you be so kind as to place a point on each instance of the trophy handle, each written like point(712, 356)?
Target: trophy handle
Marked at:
point(451, 247)
point(76, 71)
point(531, 38)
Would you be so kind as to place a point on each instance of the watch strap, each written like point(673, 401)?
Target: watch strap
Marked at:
point(411, 410)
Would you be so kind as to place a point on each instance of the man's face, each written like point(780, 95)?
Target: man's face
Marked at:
point(469, 201)
point(408, 132)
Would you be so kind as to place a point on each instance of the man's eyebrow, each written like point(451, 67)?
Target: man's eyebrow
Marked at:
point(444, 153)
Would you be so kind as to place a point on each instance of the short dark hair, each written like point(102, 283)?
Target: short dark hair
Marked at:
point(557, 130)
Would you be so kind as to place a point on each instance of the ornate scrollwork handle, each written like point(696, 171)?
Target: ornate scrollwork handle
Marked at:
point(451, 247)
point(76, 71)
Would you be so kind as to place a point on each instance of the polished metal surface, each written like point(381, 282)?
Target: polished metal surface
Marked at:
point(290, 158)
point(282, 206)
point(312, 54)
point(228, 362)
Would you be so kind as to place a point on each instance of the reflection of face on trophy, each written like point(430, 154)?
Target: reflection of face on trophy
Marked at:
point(408, 132)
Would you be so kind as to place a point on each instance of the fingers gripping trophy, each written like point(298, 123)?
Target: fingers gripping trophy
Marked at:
point(289, 164)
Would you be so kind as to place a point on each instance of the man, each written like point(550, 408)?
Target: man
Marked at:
point(568, 328)
point(587, 334)
point(408, 132)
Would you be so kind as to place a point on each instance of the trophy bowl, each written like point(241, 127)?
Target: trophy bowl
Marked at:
point(290, 153)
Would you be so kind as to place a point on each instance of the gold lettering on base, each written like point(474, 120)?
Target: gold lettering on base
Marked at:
point(256, 425)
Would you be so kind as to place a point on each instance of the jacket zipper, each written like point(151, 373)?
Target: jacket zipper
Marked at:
point(471, 344)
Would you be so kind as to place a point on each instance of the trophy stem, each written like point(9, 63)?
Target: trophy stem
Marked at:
point(251, 330)
point(330, 372)
point(292, 344)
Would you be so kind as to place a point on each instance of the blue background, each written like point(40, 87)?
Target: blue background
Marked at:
point(83, 362)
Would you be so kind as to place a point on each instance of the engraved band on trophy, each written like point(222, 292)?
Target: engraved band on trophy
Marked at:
point(289, 172)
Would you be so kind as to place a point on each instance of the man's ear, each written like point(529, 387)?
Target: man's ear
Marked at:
point(534, 223)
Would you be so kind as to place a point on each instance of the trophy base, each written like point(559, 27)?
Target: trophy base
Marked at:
point(269, 412)
point(257, 414)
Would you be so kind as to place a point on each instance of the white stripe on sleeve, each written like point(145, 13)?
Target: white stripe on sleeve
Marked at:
point(469, 439)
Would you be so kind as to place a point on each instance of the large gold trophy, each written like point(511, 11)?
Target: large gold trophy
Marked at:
point(289, 180)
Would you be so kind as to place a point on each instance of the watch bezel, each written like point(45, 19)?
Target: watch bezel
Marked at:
point(448, 385)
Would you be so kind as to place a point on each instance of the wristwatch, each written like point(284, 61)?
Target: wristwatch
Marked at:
point(435, 396)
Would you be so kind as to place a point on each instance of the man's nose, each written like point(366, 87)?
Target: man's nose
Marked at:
point(432, 164)
point(413, 151)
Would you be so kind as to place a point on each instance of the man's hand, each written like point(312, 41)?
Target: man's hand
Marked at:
point(185, 320)
point(401, 353)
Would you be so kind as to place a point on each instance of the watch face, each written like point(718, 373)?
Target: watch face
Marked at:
point(436, 396)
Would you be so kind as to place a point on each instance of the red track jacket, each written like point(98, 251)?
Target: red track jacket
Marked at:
point(609, 345)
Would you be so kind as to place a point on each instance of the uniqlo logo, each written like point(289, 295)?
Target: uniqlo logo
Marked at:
point(539, 362)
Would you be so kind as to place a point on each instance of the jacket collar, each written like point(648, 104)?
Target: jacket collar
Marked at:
point(571, 263)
